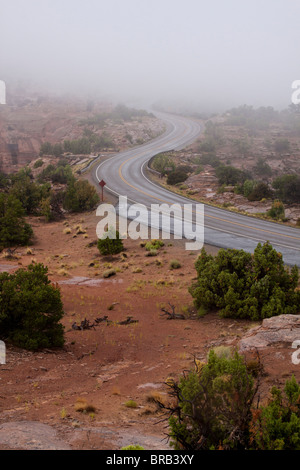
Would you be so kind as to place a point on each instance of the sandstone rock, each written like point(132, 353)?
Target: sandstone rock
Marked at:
point(27, 435)
point(275, 331)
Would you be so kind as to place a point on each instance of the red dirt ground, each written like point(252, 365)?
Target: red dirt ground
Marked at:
point(111, 364)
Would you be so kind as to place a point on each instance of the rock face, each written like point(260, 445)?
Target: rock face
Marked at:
point(25, 125)
point(27, 435)
point(275, 331)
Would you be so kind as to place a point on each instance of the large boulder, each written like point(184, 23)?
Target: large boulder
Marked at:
point(281, 331)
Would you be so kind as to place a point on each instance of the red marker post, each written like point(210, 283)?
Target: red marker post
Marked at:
point(102, 184)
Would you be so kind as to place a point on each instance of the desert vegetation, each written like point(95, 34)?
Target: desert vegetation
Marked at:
point(110, 243)
point(55, 189)
point(91, 140)
point(244, 286)
point(216, 407)
point(30, 309)
point(148, 288)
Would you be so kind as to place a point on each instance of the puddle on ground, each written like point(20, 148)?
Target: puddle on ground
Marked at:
point(5, 268)
point(86, 281)
point(150, 385)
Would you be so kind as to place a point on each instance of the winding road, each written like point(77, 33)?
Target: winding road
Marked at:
point(126, 175)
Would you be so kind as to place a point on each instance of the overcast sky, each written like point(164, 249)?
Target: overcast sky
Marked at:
point(214, 52)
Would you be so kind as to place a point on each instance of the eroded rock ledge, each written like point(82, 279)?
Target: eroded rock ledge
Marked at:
point(275, 331)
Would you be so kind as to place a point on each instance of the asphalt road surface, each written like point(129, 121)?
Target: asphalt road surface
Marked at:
point(126, 175)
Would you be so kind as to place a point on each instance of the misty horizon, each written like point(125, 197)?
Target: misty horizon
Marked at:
point(208, 57)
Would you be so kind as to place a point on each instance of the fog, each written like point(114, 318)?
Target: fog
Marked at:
point(210, 55)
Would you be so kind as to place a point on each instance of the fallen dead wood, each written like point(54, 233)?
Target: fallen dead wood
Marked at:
point(86, 325)
point(172, 315)
point(128, 321)
point(101, 319)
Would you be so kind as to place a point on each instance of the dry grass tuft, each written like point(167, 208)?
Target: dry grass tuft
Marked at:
point(175, 264)
point(137, 270)
point(80, 230)
point(109, 273)
point(155, 397)
point(82, 406)
point(63, 272)
point(131, 404)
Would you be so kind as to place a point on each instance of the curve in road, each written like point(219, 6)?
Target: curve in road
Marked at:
point(126, 175)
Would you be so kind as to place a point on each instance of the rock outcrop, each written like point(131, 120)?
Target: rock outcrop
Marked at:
point(279, 331)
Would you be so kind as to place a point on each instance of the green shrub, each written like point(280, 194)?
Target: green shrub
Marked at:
point(175, 264)
point(13, 228)
point(287, 188)
point(248, 187)
point(154, 245)
point(29, 193)
point(110, 244)
point(80, 196)
point(230, 175)
point(213, 406)
point(260, 191)
point(210, 159)
point(131, 404)
point(4, 180)
point(162, 162)
point(46, 149)
point(277, 211)
point(262, 168)
point(38, 163)
point(46, 174)
point(62, 174)
point(30, 309)
point(177, 176)
point(246, 286)
point(276, 426)
point(133, 447)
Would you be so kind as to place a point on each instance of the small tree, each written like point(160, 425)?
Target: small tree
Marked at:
point(58, 150)
point(110, 243)
point(62, 174)
point(13, 228)
point(161, 162)
point(80, 196)
point(211, 407)
point(276, 426)
point(287, 188)
point(30, 309)
point(230, 175)
point(242, 285)
point(277, 211)
point(4, 180)
point(260, 191)
point(248, 187)
point(46, 149)
point(177, 176)
point(38, 163)
point(262, 168)
point(28, 193)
